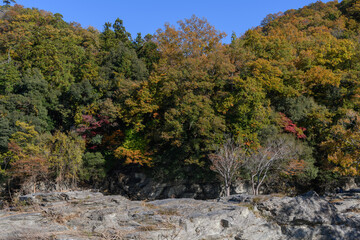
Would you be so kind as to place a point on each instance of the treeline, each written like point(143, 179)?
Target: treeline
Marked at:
point(77, 105)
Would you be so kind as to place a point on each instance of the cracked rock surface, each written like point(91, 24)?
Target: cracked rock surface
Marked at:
point(91, 215)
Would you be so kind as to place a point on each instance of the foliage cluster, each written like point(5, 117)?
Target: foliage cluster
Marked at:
point(79, 104)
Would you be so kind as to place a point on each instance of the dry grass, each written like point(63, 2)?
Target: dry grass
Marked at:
point(161, 211)
point(279, 195)
point(148, 205)
point(259, 199)
point(147, 228)
point(353, 210)
point(33, 235)
point(59, 217)
point(139, 233)
point(247, 205)
point(119, 235)
point(168, 212)
point(337, 200)
point(22, 207)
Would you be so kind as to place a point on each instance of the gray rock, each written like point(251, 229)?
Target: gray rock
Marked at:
point(90, 215)
point(138, 186)
point(26, 225)
point(312, 217)
point(308, 209)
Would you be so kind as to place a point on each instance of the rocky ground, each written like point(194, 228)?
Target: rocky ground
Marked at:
point(91, 215)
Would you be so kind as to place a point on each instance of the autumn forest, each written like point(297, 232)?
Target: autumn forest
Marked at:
point(80, 105)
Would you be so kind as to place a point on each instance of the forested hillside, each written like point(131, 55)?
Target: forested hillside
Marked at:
point(77, 105)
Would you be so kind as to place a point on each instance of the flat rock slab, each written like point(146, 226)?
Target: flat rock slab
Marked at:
point(91, 215)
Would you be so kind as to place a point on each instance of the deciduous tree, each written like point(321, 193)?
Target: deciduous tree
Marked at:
point(266, 159)
point(65, 157)
point(227, 160)
point(343, 147)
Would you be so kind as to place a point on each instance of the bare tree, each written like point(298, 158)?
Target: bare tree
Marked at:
point(226, 161)
point(268, 158)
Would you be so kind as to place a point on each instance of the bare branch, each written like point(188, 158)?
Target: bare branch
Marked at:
point(260, 162)
point(227, 160)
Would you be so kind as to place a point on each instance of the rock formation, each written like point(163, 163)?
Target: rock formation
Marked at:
point(91, 215)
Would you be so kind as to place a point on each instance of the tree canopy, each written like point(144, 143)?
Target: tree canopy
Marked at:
point(101, 102)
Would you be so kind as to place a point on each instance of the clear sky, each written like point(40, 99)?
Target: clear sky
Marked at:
point(146, 16)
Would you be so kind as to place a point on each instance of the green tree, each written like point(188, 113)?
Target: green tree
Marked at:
point(65, 157)
point(120, 31)
point(93, 167)
point(191, 73)
point(8, 2)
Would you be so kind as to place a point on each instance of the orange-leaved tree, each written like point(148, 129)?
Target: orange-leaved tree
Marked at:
point(26, 160)
point(343, 147)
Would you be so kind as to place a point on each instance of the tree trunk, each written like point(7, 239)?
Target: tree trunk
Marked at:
point(227, 190)
point(227, 187)
point(253, 185)
point(9, 188)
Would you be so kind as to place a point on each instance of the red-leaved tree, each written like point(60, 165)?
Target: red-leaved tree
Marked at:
point(290, 127)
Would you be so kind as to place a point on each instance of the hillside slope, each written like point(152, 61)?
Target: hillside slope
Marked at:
point(79, 105)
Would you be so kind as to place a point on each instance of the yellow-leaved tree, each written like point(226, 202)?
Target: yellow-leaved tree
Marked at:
point(25, 163)
point(344, 145)
point(65, 157)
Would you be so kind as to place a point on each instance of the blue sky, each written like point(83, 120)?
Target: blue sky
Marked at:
point(146, 16)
